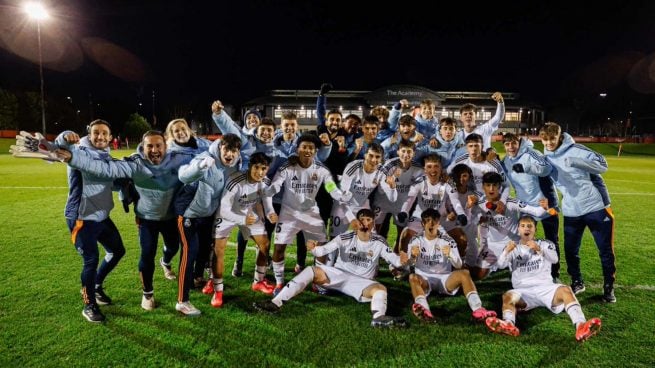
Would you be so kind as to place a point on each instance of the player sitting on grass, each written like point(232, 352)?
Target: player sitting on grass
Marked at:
point(435, 254)
point(530, 260)
point(352, 274)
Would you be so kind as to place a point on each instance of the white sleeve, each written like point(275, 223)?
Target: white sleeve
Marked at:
point(192, 172)
point(455, 258)
point(329, 247)
point(504, 259)
point(411, 197)
point(277, 182)
point(389, 256)
point(536, 211)
point(225, 211)
point(549, 252)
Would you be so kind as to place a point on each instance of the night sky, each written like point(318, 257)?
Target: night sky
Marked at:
point(192, 52)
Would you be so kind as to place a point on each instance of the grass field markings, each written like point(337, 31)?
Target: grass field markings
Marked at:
point(629, 181)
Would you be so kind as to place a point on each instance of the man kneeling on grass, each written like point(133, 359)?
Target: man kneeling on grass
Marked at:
point(359, 252)
point(530, 261)
point(435, 255)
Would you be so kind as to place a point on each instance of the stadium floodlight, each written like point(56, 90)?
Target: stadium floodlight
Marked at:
point(39, 13)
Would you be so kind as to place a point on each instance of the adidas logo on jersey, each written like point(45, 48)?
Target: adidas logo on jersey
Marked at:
point(243, 196)
point(294, 178)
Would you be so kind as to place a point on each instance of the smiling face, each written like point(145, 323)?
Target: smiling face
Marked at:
point(181, 132)
point(372, 160)
point(258, 172)
point(265, 133)
point(289, 126)
point(406, 154)
point(351, 125)
point(370, 131)
point(252, 121)
point(154, 148)
point(306, 152)
point(333, 122)
point(551, 142)
point(427, 111)
point(432, 171)
point(100, 136)
point(511, 148)
point(229, 156)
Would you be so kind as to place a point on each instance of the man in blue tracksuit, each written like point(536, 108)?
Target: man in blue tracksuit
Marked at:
point(204, 178)
point(527, 170)
point(583, 204)
point(154, 171)
point(89, 202)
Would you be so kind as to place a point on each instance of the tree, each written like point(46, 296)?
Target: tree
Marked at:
point(8, 110)
point(135, 127)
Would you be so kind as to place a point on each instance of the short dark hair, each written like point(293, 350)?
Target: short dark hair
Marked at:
point(268, 121)
point(430, 213)
point(407, 120)
point(473, 137)
point(376, 147)
point(334, 111)
point(259, 158)
point(231, 142)
point(492, 178)
point(151, 133)
point(447, 121)
point(467, 107)
point(371, 119)
point(432, 157)
point(97, 122)
point(405, 143)
point(510, 137)
point(365, 212)
point(311, 138)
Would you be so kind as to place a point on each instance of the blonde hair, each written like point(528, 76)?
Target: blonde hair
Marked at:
point(169, 130)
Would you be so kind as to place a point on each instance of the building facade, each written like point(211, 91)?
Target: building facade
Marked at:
point(520, 117)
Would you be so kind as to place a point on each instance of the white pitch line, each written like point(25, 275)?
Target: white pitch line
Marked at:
point(634, 194)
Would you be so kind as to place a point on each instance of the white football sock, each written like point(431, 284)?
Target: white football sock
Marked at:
point(379, 304)
point(295, 286)
point(260, 272)
point(508, 316)
point(574, 311)
point(423, 301)
point(218, 284)
point(474, 300)
point(278, 270)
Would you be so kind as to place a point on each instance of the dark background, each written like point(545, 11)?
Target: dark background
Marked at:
point(560, 55)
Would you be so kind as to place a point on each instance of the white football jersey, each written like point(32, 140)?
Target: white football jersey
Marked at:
point(240, 197)
point(300, 185)
point(403, 183)
point(528, 267)
point(497, 229)
point(359, 257)
point(479, 169)
point(426, 195)
point(431, 260)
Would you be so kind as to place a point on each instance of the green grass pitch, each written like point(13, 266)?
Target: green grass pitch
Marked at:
point(41, 323)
